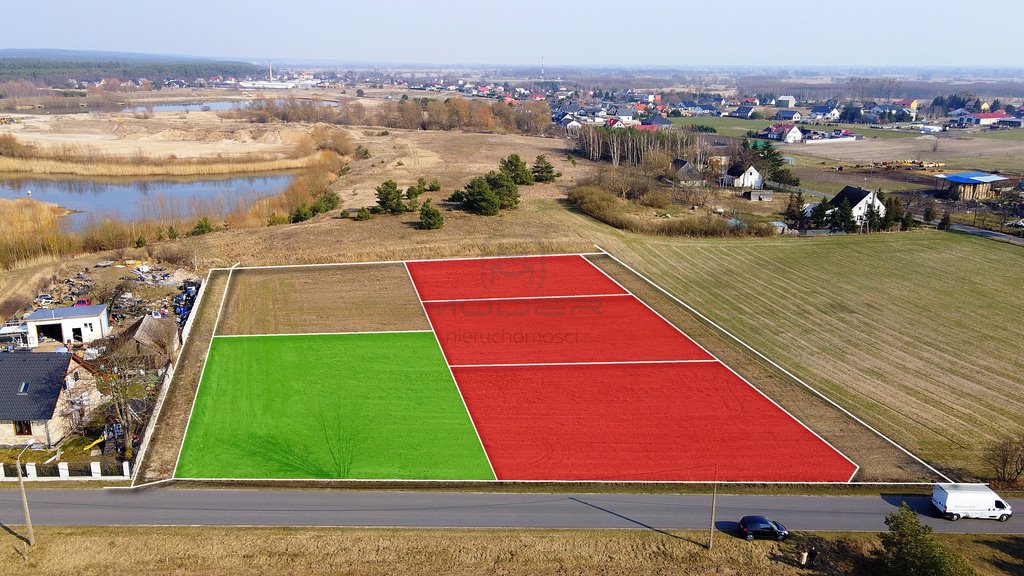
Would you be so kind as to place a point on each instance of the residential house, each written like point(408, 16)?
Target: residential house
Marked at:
point(687, 173)
point(657, 120)
point(743, 112)
point(788, 115)
point(860, 201)
point(710, 110)
point(785, 101)
point(826, 113)
point(739, 177)
point(787, 133)
point(911, 103)
point(43, 396)
point(625, 113)
point(75, 325)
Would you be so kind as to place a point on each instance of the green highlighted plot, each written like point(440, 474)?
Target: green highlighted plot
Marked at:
point(361, 406)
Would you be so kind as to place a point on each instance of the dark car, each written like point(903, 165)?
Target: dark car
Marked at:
point(760, 527)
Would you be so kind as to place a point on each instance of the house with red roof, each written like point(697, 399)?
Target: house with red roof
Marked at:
point(984, 118)
point(787, 133)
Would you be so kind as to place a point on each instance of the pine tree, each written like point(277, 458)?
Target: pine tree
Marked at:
point(480, 198)
point(842, 218)
point(430, 217)
point(543, 171)
point(517, 170)
point(910, 549)
point(506, 190)
point(820, 216)
point(389, 198)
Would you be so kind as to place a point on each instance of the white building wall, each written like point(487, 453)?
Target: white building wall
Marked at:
point(93, 328)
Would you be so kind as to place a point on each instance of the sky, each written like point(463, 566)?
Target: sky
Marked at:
point(684, 33)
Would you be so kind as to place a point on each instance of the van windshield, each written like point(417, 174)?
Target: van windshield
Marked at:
point(1000, 505)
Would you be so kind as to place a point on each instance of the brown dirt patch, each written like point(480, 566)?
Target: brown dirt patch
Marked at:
point(366, 298)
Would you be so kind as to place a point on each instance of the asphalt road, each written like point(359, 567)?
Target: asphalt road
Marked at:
point(467, 510)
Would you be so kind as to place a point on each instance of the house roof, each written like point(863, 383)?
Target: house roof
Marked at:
point(745, 110)
point(971, 178)
point(852, 194)
point(986, 115)
point(823, 109)
point(657, 120)
point(44, 374)
point(736, 170)
point(780, 128)
point(787, 114)
point(71, 312)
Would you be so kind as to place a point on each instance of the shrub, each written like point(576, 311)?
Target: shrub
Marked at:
point(325, 202)
point(301, 213)
point(363, 214)
point(361, 153)
point(276, 219)
point(945, 222)
point(172, 232)
point(434, 186)
point(430, 217)
point(910, 549)
point(202, 227)
point(657, 199)
point(140, 242)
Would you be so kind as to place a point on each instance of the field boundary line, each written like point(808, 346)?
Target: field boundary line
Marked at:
point(452, 374)
point(856, 467)
point(611, 363)
point(403, 262)
point(162, 397)
point(615, 482)
point(771, 362)
point(202, 372)
point(524, 298)
point(322, 333)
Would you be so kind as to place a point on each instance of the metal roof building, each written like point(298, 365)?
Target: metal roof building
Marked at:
point(970, 185)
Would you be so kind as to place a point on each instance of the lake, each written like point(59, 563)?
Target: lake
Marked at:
point(214, 105)
point(145, 199)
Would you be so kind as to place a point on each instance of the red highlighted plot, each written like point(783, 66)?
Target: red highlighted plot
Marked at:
point(529, 331)
point(510, 278)
point(640, 422)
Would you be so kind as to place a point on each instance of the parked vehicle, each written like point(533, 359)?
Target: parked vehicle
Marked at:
point(956, 501)
point(45, 300)
point(83, 302)
point(761, 527)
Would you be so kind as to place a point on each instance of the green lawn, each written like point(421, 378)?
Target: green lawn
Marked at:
point(1015, 134)
point(363, 406)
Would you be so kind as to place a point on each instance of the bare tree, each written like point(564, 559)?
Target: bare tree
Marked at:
point(1006, 459)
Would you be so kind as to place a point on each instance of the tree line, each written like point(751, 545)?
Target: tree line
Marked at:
point(455, 113)
point(57, 72)
point(629, 146)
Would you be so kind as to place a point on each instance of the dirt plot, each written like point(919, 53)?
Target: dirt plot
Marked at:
point(957, 153)
point(162, 453)
point(879, 461)
point(365, 298)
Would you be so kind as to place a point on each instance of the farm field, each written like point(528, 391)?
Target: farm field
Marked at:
point(918, 334)
point(738, 127)
point(375, 406)
point(560, 374)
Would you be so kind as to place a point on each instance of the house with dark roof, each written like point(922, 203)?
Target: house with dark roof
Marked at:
point(43, 396)
point(739, 177)
point(656, 120)
point(743, 112)
point(789, 115)
point(710, 110)
point(860, 201)
point(826, 112)
point(687, 173)
point(153, 341)
point(74, 325)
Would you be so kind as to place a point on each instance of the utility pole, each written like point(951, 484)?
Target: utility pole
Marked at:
point(24, 500)
point(714, 506)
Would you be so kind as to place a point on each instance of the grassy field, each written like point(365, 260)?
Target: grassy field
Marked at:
point(321, 299)
point(729, 126)
point(916, 333)
point(376, 406)
point(1016, 134)
point(242, 551)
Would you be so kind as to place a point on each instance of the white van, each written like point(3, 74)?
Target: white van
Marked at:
point(956, 501)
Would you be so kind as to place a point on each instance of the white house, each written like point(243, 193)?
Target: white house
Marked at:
point(828, 113)
point(79, 324)
point(860, 201)
point(737, 177)
point(787, 133)
point(785, 101)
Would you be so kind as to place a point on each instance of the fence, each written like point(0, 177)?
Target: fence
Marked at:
point(67, 471)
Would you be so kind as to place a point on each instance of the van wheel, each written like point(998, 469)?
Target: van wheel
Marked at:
point(1004, 517)
point(954, 517)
